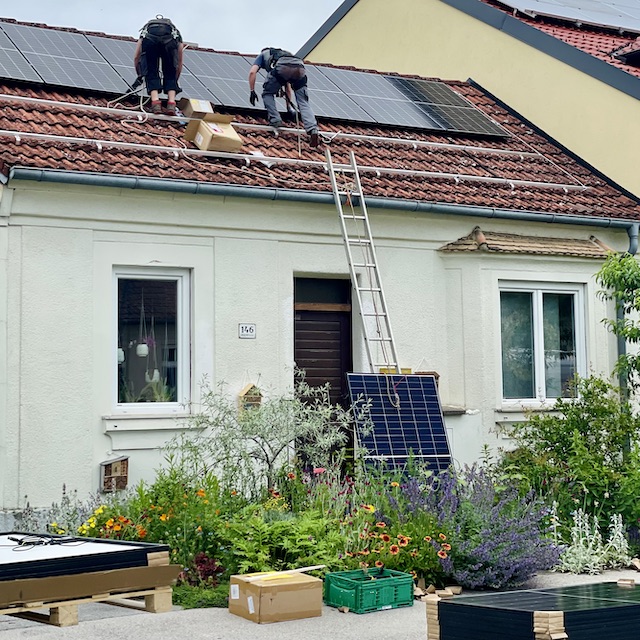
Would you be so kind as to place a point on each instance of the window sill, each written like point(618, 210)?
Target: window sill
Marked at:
point(144, 422)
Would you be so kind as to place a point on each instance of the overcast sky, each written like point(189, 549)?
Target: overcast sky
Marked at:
point(234, 25)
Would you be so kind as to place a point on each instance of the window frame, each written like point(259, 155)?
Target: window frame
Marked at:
point(183, 280)
point(538, 289)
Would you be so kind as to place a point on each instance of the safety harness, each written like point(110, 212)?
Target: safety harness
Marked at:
point(160, 31)
point(271, 55)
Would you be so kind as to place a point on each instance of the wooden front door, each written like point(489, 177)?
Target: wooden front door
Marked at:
point(322, 334)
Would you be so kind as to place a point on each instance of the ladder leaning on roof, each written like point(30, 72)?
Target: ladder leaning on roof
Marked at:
point(361, 255)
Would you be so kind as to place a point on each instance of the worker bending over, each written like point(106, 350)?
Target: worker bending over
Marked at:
point(160, 42)
point(284, 71)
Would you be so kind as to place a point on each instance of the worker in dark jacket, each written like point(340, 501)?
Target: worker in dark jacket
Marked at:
point(160, 42)
point(284, 71)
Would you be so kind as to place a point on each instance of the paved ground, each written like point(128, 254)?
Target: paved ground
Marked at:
point(107, 622)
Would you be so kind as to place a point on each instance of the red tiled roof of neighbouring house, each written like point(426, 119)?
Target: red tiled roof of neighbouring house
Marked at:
point(599, 42)
point(523, 171)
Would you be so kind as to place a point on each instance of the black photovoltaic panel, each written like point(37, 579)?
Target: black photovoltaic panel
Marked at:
point(407, 418)
point(13, 64)
point(64, 58)
point(445, 106)
point(106, 64)
point(411, 103)
point(584, 612)
point(328, 101)
point(225, 76)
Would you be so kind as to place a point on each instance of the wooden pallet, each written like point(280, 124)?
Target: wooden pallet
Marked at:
point(65, 612)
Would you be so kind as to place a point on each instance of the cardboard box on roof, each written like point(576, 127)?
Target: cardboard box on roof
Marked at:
point(194, 108)
point(214, 133)
point(275, 597)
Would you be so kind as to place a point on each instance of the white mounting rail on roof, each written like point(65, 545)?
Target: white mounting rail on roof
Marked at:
point(248, 158)
point(143, 115)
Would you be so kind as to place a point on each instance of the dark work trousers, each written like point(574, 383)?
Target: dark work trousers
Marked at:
point(288, 70)
point(154, 54)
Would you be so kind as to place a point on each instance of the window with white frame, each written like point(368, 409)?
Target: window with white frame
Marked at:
point(152, 307)
point(543, 340)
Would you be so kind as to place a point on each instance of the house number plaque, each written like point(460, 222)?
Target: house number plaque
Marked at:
point(246, 331)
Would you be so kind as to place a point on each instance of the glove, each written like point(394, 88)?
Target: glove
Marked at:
point(253, 98)
point(289, 116)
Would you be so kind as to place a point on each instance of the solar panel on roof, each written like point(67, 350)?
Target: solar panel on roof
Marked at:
point(618, 14)
point(13, 64)
point(224, 75)
point(407, 419)
point(64, 58)
point(328, 101)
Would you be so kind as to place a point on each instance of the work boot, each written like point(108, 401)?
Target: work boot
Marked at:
point(314, 139)
point(170, 109)
point(156, 107)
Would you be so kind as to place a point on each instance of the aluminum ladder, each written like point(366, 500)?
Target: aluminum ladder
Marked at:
point(363, 264)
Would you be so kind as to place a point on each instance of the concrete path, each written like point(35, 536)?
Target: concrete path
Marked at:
point(107, 622)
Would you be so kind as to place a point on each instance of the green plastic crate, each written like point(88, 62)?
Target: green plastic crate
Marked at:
point(370, 590)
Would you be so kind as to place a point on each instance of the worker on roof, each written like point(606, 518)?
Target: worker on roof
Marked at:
point(160, 42)
point(284, 72)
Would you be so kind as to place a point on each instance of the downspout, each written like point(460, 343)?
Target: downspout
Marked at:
point(632, 231)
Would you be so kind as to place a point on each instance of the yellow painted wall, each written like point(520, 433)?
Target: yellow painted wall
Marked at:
point(432, 39)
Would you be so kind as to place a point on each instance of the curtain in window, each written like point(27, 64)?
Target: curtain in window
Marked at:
point(516, 315)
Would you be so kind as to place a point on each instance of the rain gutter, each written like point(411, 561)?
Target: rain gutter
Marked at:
point(313, 197)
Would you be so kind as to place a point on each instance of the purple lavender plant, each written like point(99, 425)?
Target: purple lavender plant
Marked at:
point(498, 538)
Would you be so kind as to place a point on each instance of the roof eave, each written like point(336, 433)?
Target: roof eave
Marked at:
point(226, 190)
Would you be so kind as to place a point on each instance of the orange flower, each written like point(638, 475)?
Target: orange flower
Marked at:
point(142, 532)
point(427, 538)
point(414, 574)
point(442, 536)
point(414, 553)
point(234, 493)
point(395, 484)
point(446, 546)
point(291, 476)
point(163, 517)
point(394, 549)
point(109, 523)
point(403, 541)
point(349, 554)
point(201, 493)
point(385, 537)
point(121, 518)
point(364, 565)
point(381, 525)
point(117, 527)
point(373, 534)
point(379, 564)
point(368, 507)
point(442, 554)
point(364, 552)
point(199, 528)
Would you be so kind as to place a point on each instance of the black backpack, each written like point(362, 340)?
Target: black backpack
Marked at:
point(272, 55)
point(161, 31)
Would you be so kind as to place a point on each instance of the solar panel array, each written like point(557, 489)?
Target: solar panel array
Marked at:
point(98, 63)
point(616, 14)
point(407, 419)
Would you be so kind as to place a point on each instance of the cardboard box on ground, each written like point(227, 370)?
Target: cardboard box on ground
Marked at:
point(275, 597)
point(210, 131)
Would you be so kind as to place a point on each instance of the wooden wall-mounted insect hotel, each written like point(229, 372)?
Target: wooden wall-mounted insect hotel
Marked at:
point(114, 474)
point(250, 397)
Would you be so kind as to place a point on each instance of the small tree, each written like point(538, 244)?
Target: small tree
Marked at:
point(620, 277)
point(247, 447)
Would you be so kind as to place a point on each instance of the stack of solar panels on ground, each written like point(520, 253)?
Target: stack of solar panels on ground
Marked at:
point(585, 612)
point(406, 419)
point(100, 63)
